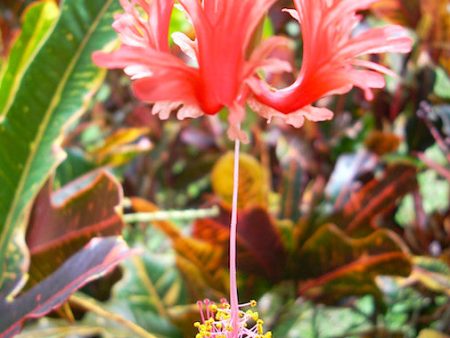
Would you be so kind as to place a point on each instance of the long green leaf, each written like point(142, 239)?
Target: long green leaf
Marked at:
point(38, 21)
point(56, 88)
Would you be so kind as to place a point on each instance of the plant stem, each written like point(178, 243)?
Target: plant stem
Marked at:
point(234, 301)
point(163, 215)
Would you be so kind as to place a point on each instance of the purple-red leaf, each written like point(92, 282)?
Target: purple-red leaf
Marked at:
point(377, 197)
point(94, 260)
point(261, 250)
point(62, 222)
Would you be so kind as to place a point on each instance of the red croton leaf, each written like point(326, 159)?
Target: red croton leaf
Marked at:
point(260, 249)
point(430, 19)
point(332, 265)
point(436, 17)
point(99, 256)
point(377, 197)
point(402, 12)
point(62, 222)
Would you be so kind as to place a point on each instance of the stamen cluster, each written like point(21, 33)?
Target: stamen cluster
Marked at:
point(216, 321)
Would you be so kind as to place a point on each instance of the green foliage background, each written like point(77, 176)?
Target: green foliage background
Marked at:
point(344, 225)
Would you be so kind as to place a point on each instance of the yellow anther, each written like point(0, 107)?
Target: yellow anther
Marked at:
point(218, 323)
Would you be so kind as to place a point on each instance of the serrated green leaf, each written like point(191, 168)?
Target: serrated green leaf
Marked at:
point(55, 89)
point(38, 21)
point(75, 165)
point(151, 286)
point(442, 84)
point(435, 191)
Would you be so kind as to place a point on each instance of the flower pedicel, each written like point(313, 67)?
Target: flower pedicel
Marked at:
point(221, 73)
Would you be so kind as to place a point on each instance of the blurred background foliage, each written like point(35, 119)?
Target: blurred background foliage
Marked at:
point(344, 226)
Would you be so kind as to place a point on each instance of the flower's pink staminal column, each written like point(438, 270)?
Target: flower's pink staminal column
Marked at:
point(234, 301)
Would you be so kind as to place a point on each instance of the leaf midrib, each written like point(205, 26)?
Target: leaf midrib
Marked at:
point(43, 127)
point(150, 286)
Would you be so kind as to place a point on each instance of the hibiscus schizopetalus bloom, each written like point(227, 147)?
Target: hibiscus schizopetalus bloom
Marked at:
point(221, 69)
point(220, 73)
